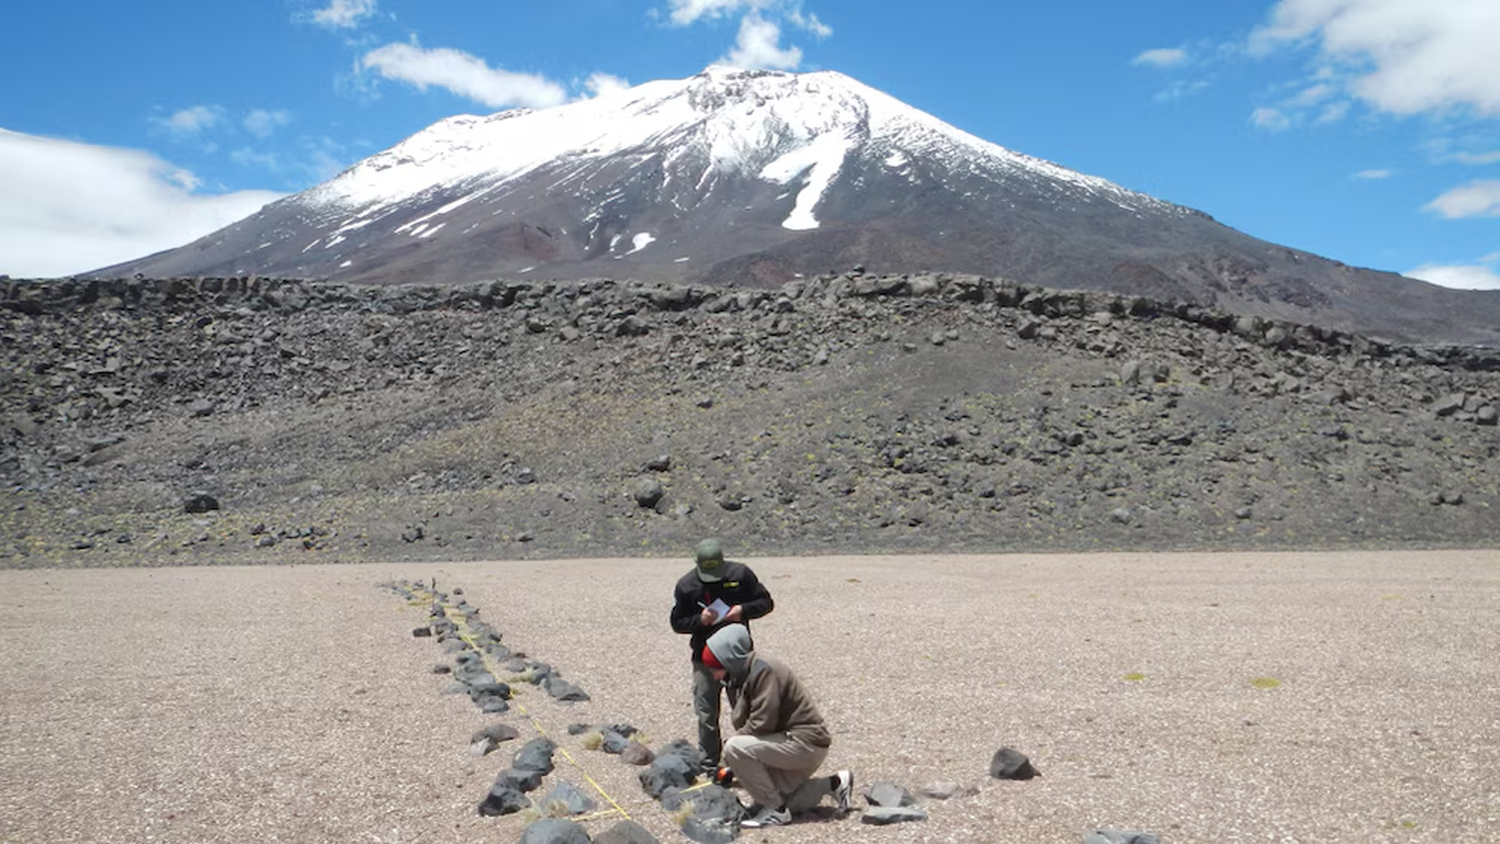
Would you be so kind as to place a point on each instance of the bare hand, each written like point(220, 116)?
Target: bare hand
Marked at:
point(708, 617)
point(736, 613)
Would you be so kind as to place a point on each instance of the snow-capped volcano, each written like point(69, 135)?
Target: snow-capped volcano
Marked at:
point(752, 178)
point(723, 124)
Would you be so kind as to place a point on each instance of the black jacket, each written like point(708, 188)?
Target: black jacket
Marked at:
point(739, 586)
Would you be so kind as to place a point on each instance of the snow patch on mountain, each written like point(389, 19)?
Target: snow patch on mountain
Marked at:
point(640, 241)
point(821, 161)
point(421, 222)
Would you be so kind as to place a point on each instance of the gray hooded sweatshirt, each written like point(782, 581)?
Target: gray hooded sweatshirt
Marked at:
point(767, 696)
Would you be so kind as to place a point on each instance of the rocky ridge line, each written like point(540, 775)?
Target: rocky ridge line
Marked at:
point(875, 412)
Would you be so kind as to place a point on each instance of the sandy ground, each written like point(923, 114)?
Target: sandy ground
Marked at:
point(293, 703)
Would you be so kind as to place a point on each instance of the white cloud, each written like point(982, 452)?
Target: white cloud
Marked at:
point(191, 121)
point(246, 157)
point(1477, 157)
point(1476, 199)
point(1313, 94)
point(1475, 147)
point(308, 160)
point(1334, 112)
point(758, 43)
point(1270, 119)
point(1401, 56)
point(758, 47)
point(1178, 90)
point(261, 122)
point(809, 23)
point(344, 14)
point(1320, 99)
point(1465, 277)
point(72, 207)
point(1373, 175)
point(601, 84)
point(686, 12)
point(464, 75)
point(1162, 57)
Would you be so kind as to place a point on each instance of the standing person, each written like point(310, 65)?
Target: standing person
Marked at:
point(715, 593)
point(782, 739)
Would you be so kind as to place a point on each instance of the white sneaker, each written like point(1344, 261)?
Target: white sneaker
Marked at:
point(767, 817)
point(842, 792)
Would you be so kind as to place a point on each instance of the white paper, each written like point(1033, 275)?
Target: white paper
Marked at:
point(719, 608)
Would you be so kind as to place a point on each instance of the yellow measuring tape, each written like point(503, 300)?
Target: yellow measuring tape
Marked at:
point(463, 633)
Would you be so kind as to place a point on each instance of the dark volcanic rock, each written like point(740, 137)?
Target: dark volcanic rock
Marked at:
point(710, 801)
point(536, 755)
point(1012, 764)
point(503, 799)
point(625, 832)
point(705, 830)
point(554, 831)
point(613, 742)
point(885, 815)
point(497, 733)
point(888, 794)
point(675, 767)
point(648, 491)
point(520, 779)
point(571, 800)
point(200, 502)
point(564, 690)
point(636, 753)
point(1116, 836)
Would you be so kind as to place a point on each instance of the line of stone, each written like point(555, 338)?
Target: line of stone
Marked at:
point(479, 676)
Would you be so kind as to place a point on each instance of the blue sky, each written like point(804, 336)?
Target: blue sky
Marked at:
point(1367, 131)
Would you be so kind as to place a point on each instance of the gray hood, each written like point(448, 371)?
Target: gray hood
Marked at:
point(731, 645)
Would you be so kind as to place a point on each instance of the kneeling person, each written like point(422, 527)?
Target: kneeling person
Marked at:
point(782, 739)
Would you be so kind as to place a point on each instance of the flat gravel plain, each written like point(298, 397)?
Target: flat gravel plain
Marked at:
point(1227, 697)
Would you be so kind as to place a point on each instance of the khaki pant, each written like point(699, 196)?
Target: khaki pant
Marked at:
point(777, 770)
point(706, 696)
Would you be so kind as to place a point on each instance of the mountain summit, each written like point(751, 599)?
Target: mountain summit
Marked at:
point(753, 178)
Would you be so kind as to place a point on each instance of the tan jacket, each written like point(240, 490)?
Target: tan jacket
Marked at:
point(772, 700)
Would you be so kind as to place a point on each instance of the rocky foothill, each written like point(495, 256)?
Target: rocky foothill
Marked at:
point(244, 419)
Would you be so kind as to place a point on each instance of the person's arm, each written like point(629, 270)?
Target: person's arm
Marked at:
point(759, 603)
point(685, 612)
point(760, 707)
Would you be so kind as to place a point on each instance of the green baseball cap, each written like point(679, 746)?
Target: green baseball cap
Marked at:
point(709, 556)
